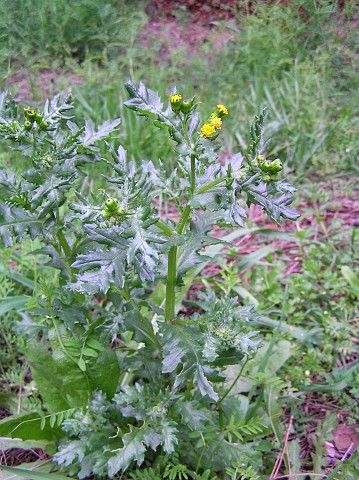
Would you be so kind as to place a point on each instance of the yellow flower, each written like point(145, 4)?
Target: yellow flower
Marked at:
point(215, 122)
point(208, 130)
point(176, 102)
point(222, 109)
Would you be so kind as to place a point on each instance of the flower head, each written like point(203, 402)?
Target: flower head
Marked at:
point(222, 110)
point(208, 130)
point(216, 122)
point(176, 102)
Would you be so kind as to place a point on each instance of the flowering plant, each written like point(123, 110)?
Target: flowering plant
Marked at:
point(125, 378)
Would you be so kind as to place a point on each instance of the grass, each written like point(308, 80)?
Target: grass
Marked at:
point(298, 65)
point(299, 61)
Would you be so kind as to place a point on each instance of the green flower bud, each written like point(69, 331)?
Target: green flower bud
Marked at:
point(266, 178)
point(265, 166)
point(111, 204)
point(38, 117)
point(30, 114)
point(254, 163)
point(28, 125)
point(120, 210)
point(275, 177)
point(105, 214)
point(176, 102)
point(44, 125)
point(276, 166)
point(186, 106)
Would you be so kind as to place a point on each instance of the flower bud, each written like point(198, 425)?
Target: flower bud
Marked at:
point(186, 106)
point(265, 166)
point(30, 114)
point(176, 102)
point(120, 210)
point(276, 166)
point(38, 117)
point(266, 178)
point(275, 177)
point(44, 125)
point(28, 125)
point(105, 214)
point(111, 204)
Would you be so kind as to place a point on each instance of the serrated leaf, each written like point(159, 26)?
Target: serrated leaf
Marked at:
point(183, 346)
point(133, 450)
point(168, 436)
point(189, 255)
point(144, 101)
point(103, 131)
point(275, 206)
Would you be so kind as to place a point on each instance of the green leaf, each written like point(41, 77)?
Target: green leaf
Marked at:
point(182, 345)
point(189, 255)
point(13, 303)
point(270, 198)
point(103, 131)
point(28, 427)
point(33, 474)
point(133, 450)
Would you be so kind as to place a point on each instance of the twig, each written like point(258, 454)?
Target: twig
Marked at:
point(279, 460)
point(19, 399)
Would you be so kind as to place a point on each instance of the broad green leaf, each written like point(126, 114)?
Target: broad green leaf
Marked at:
point(32, 474)
point(27, 428)
point(17, 303)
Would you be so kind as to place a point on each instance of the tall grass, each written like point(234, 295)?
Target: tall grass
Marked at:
point(295, 59)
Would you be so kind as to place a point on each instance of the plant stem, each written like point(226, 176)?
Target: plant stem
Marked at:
point(165, 229)
point(193, 173)
point(235, 381)
point(211, 184)
point(172, 254)
point(63, 242)
point(171, 284)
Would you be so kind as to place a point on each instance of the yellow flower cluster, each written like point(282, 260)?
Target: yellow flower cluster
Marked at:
point(214, 123)
point(207, 130)
point(176, 98)
point(222, 109)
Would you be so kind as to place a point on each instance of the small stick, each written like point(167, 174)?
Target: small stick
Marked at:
point(19, 399)
point(279, 460)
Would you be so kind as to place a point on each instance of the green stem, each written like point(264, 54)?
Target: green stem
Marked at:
point(165, 229)
point(193, 173)
point(233, 384)
point(171, 284)
point(63, 242)
point(184, 219)
point(172, 254)
point(211, 184)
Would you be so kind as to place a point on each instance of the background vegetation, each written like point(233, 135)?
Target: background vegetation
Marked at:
point(297, 58)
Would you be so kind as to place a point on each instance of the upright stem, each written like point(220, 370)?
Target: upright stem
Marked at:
point(193, 173)
point(171, 284)
point(172, 254)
